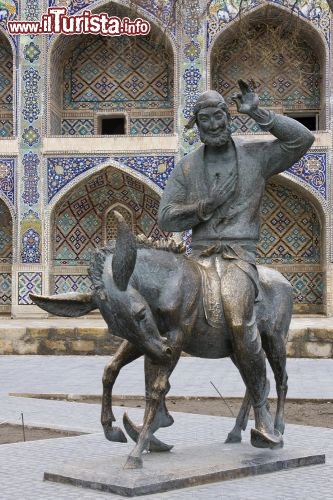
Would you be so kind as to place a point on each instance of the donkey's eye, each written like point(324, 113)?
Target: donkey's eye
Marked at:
point(140, 315)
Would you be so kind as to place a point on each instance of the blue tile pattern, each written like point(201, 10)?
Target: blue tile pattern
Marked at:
point(31, 109)
point(30, 178)
point(28, 282)
point(7, 183)
point(62, 170)
point(31, 247)
point(312, 168)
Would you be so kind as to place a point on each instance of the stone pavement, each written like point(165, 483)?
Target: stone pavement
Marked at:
point(22, 464)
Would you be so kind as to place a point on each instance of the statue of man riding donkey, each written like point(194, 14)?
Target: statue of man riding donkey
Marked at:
point(214, 303)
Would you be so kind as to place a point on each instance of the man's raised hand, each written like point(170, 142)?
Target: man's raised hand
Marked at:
point(246, 100)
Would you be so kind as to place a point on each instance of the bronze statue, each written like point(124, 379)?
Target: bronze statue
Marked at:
point(152, 295)
point(217, 191)
point(214, 304)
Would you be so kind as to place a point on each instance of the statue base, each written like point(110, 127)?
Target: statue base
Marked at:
point(189, 466)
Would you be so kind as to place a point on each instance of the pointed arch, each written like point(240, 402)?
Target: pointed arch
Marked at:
point(81, 218)
point(285, 55)
point(110, 80)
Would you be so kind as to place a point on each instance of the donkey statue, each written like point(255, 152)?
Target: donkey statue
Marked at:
point(152, 296)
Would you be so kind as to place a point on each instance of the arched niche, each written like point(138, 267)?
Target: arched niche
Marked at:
point(292, 241)
point(285, 57)
point(6, 257)
point(101, 85)
point(82, 218)
point(6, 88)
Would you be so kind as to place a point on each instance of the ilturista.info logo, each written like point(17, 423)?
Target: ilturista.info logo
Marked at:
point(57, 21)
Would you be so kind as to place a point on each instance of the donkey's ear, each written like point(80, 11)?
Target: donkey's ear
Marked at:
point(124, 256)
point(70, 305)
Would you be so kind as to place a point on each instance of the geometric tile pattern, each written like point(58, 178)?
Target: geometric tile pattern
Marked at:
point(308, 287)
point(156, 168)
point(77, 126)
point(61, 170)
point(193, 69)
point(71, 283)
point(112, 74)
point(243, 124)
point(32, 10)
point(32, 97)
point(110, 70)
point(31, 52)
point(31, 163)
point(192, 50)
point(290, 79)
point(32, 88)
point(28, 282)
point(31, 136)
point(291, 235)
point(110, 222)
point(31, 110)
point(6, 75)
point(165, 11)
point(138, 126)
point(5, 289)
point(312, 169)
point(7, 182)
point(192, 79)
point(6, 128)
point(290, 229)
point(80, 219)
point(143, 126)
point(31, 247)
point(6, 235)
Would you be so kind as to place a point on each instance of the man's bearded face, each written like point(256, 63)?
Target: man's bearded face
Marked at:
point(214, 126)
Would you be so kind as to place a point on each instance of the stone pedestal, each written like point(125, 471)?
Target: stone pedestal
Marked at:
point(190, 466)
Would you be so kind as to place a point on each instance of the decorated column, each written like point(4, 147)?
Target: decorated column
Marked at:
point(28, 271)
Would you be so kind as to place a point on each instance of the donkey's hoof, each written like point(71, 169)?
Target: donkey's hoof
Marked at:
point(133, 431)
point(114, 434)
point(155, 445)
point(133, 463)
point(233, 438)
point(261, 439)
point(279, 426)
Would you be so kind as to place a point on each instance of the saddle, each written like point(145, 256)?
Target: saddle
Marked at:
point(210, 270)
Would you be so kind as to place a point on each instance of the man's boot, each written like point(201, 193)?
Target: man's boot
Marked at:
point(251, 362)
point(264, 435)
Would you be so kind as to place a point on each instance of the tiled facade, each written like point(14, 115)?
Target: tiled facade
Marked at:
point(59, 177)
